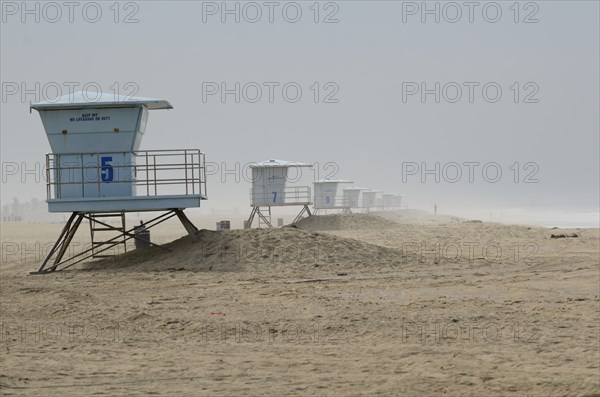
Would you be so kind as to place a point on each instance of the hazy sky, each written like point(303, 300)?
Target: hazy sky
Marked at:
point(370, 62)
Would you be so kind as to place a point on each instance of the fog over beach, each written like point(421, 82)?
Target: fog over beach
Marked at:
point(303, 198)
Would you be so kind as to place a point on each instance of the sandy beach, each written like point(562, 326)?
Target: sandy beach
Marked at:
point(401, 303)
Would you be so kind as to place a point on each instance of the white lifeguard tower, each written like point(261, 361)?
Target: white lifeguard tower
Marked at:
point(351, 197)
point(96, 170)
point(390, 201)
point(328, 195)
point(387, 200)
point(270, 188)
point(369, 198)
point(397, 201)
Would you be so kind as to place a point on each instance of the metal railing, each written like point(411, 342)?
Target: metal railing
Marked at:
point(145, 173)
point(291, 195)
point(332, 202)
point(347, 202)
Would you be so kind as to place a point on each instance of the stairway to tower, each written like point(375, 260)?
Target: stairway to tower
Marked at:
point(103, 233)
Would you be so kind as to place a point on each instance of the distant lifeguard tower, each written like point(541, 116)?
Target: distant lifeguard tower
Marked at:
point(369, 199)
point(397, 201)
point(387, 201)
point(96, 171)
point(351, 198)
point(328, 195)
point(391, 201)
point(270, 188)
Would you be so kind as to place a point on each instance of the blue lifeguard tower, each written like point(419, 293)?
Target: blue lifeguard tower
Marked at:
point(97, 171)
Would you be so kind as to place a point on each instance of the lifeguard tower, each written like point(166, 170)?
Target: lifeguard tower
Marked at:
point(387, 200)
point(351, 198)
point(397, 201)
point(390, 201)
point(369, 199)
point(97, 172)
point(270, 188)
point(328, 195)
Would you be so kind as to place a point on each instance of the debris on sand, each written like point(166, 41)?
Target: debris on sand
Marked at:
point(563, 235)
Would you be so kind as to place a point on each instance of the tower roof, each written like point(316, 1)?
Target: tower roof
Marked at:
point(333, 181)
point(279, 163)
point(81, 100)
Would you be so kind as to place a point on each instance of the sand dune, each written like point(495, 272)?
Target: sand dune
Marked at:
point(290, 249)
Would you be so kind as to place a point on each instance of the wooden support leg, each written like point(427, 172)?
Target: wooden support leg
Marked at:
point(67, 241)
point(251, 218)
point(264, 218)
point(62, 243)
point(305, 209)
point(187, 224)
